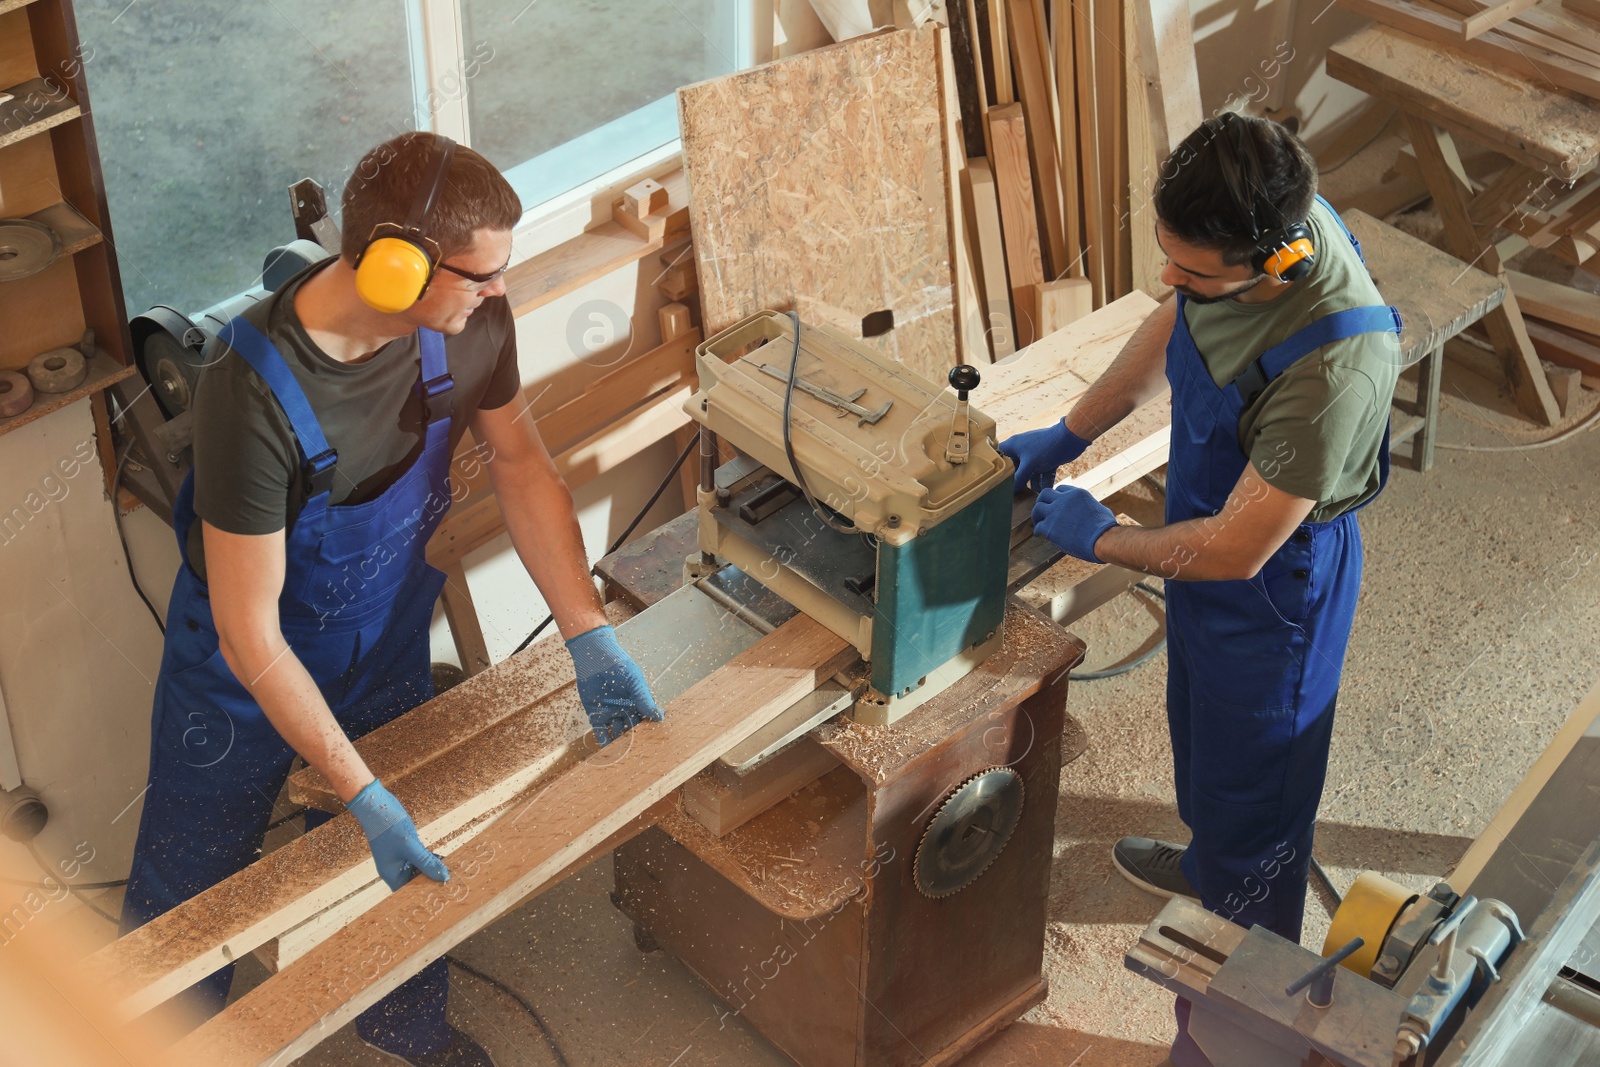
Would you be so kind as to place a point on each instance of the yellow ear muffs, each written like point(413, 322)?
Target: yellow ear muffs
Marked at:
point(392, 274)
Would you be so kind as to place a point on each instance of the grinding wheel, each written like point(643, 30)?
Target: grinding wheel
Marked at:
point(60, 370)
point(26, 247)
point(15, 393)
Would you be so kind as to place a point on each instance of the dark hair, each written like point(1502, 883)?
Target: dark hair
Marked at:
point(1194, 198)
point(385, 182)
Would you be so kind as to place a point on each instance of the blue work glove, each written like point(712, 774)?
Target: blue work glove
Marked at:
point(1037, 454)
point(1073, 520)
point(392, 836)
point(611, 686)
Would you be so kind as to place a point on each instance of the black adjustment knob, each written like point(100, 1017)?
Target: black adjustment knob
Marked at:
point(963, 378)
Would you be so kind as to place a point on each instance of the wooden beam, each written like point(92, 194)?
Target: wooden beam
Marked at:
point(1564, 350)
point(998, 322)
point(1091, 144)
point(1491, 15)
point(462, 616)
point(1492, 47)
point(1504, 323)
point(1557, 303)
point(1037, 92)
point(1024, 265)
point(293, 1010)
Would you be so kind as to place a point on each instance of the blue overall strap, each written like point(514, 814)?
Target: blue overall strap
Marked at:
point(436, 378)
point(265, 360)
point(1351, 322)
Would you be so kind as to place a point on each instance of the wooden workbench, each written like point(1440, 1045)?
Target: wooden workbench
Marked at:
point(1548, 135)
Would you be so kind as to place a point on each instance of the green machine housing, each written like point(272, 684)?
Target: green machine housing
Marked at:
point(919, 586)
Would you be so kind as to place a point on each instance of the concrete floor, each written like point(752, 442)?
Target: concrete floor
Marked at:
point(1476, 636)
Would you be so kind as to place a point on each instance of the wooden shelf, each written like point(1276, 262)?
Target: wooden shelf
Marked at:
point(20, 120)
point(12, 5)
point(73, 230)
point(103, 372)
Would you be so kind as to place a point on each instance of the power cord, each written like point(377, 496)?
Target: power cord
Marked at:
point(116, 514)
point(533, 1013)
point(788, 442)
point(75, 890)
point(672, 473)
point(1139, 661)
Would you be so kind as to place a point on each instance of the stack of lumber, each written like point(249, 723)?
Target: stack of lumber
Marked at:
point(1555, 42)
point(1068, 108)
point(1563, 324)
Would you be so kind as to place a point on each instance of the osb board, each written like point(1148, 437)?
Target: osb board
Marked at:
point(819, 183)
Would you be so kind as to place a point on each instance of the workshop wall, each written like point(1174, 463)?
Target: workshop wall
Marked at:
point(78, 651)
point(1267, 57)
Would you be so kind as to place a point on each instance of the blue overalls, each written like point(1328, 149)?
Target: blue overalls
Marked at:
point(357, 600)
point(1253, 665)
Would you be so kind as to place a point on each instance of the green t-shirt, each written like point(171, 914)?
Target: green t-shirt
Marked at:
point(248, 476)
point(1317, 429)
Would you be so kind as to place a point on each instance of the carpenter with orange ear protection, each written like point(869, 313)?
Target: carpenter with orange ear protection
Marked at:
point(399, 260)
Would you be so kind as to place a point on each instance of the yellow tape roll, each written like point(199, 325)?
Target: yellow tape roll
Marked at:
point(1368, 911)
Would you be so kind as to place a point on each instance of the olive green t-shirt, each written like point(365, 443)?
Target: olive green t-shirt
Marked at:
point(248, 470)
point(1317, 429)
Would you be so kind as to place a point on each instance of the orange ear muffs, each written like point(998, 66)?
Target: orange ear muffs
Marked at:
point(1292, 261)
point(392, 273)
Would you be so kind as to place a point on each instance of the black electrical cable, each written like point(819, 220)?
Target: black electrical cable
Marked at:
point(1140, 661)
point(116, 515)
point(672, 473)
point(1327, 883)
point(533, 1013)
point(73, 889)
point(788, 443)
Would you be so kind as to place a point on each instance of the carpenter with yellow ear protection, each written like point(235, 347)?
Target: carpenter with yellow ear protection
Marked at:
point(399, 259)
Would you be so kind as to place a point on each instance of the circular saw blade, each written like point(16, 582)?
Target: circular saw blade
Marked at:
point(968, 831)
point(26, 247)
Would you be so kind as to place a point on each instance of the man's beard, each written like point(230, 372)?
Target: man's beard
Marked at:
point(1244, 287)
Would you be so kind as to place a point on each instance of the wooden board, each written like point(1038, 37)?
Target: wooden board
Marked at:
point(1024, 265)
point(991, 258)
point(1545, 130)
point(294, 1009)
point(1560, 304)
point(1492, 47)
point(1036, 386)
point(1564, 350)
point(820, 183)
point(1036, 89)
point(1491, 15)
point(1063, 302)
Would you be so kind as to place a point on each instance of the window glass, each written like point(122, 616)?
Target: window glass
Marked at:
point(207, 112)
point(577, 87)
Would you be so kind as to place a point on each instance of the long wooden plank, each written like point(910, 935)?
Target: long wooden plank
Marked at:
point(1491, 15)
point(971, 342)
point(1493, 46)
point(1545, 130)
point(452, 718)
point(1564, 350)
point(1037, 97)
point(1066, 116)
point(1008, 134)
point(1091, 145)
point(998, 321)
point(327, 864)
point(1036, 386)
point(294, 1009)
point(1560, 304)
point(1483, 847)
point(1589, 9)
